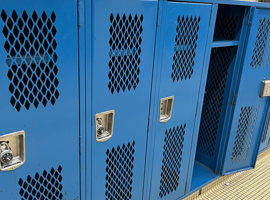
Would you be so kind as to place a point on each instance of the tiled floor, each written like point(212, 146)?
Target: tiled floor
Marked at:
point(252, 184)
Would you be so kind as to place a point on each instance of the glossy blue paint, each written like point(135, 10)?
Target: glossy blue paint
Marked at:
point(265, 142)
point(51, 131)
point(248, 101)
point(131, 105)
point(201, 176)
point(185, 91)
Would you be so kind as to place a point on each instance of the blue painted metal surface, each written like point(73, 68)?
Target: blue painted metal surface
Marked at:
point(222, 74)
point(181, 42)
point(265, 142)
point(51, 125)
point(246, 129)
point(123, 50)
point(102, 75)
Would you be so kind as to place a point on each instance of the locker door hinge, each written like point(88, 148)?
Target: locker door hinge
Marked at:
point(80, 13)
point(234, 99)
point(250, 17)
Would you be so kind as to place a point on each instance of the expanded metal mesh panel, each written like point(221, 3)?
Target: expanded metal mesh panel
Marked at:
point(226, 27)
point(261, 51)
point(31, 57)
point(246, 125)
point(125, 50)
point(45, 186)
point(171, 162)
point(266, 130)
point(119, 172)
point(185, 47)
point(213, 100)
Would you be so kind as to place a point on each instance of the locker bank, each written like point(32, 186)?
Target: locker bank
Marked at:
point(115, 99)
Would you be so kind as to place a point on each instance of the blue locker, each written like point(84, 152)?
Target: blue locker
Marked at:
point(265, 142)
point(122, 60)
point(246, 127)
point(39, 95)
point(181, 43)
point(223, 69)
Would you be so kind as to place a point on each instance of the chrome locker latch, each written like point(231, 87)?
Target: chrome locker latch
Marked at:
point(165, 110)
point(12, 151)
point(265, 88)
point(104, 125)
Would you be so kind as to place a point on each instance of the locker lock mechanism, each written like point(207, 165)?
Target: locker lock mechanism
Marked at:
point(12, 151)
point(104, 125)
point(6, 154)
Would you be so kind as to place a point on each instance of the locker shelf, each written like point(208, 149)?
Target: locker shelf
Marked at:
point(225, 43)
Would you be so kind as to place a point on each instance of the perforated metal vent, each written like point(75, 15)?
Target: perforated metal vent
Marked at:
point(125, 50)
point(215, 88)
point(246, 125)
point(31, 57)
point(261, 51)
point(45, 186)
point(185, 47)
point(119, 172)
point(171, 162)
point(266, 130)
point(226, 27)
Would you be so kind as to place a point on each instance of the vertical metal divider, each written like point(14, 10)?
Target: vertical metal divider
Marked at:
point(154, 101)
point(82, 95)
point(85, 28)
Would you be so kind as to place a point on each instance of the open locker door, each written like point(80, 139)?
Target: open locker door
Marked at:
point(249, 108)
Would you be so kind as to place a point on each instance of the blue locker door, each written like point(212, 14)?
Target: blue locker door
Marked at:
point(248, 117)
point(123, 51)
point(184, 32)
point(39, 94)
point(265, 142)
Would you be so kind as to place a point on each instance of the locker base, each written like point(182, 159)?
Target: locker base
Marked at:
point(201, 176)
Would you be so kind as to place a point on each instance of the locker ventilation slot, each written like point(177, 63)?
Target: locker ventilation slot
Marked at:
point(266, 128)
point(119, 172)
point(246, 125)
point(42, 186)
point(125, 50)
point(185, 48)
point(261, 51)
point(213, 99)
point(31, 57)
point(226, 27)
point(171, 162)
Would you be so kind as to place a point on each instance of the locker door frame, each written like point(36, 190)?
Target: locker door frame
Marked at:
point(233, 99)
point(155, 94)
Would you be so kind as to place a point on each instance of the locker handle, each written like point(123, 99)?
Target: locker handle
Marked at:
point(104, 125)
point(165, 110)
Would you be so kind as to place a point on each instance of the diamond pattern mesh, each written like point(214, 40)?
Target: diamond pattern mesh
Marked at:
point(261, 51)
point(171, 162)
point(185, 47)
point(119, 172)
point(266, 130)
point(226, 27)
point(213, 100)
point(246, 125)
point(45, 186)
point(31, 57)
point(125, 50)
